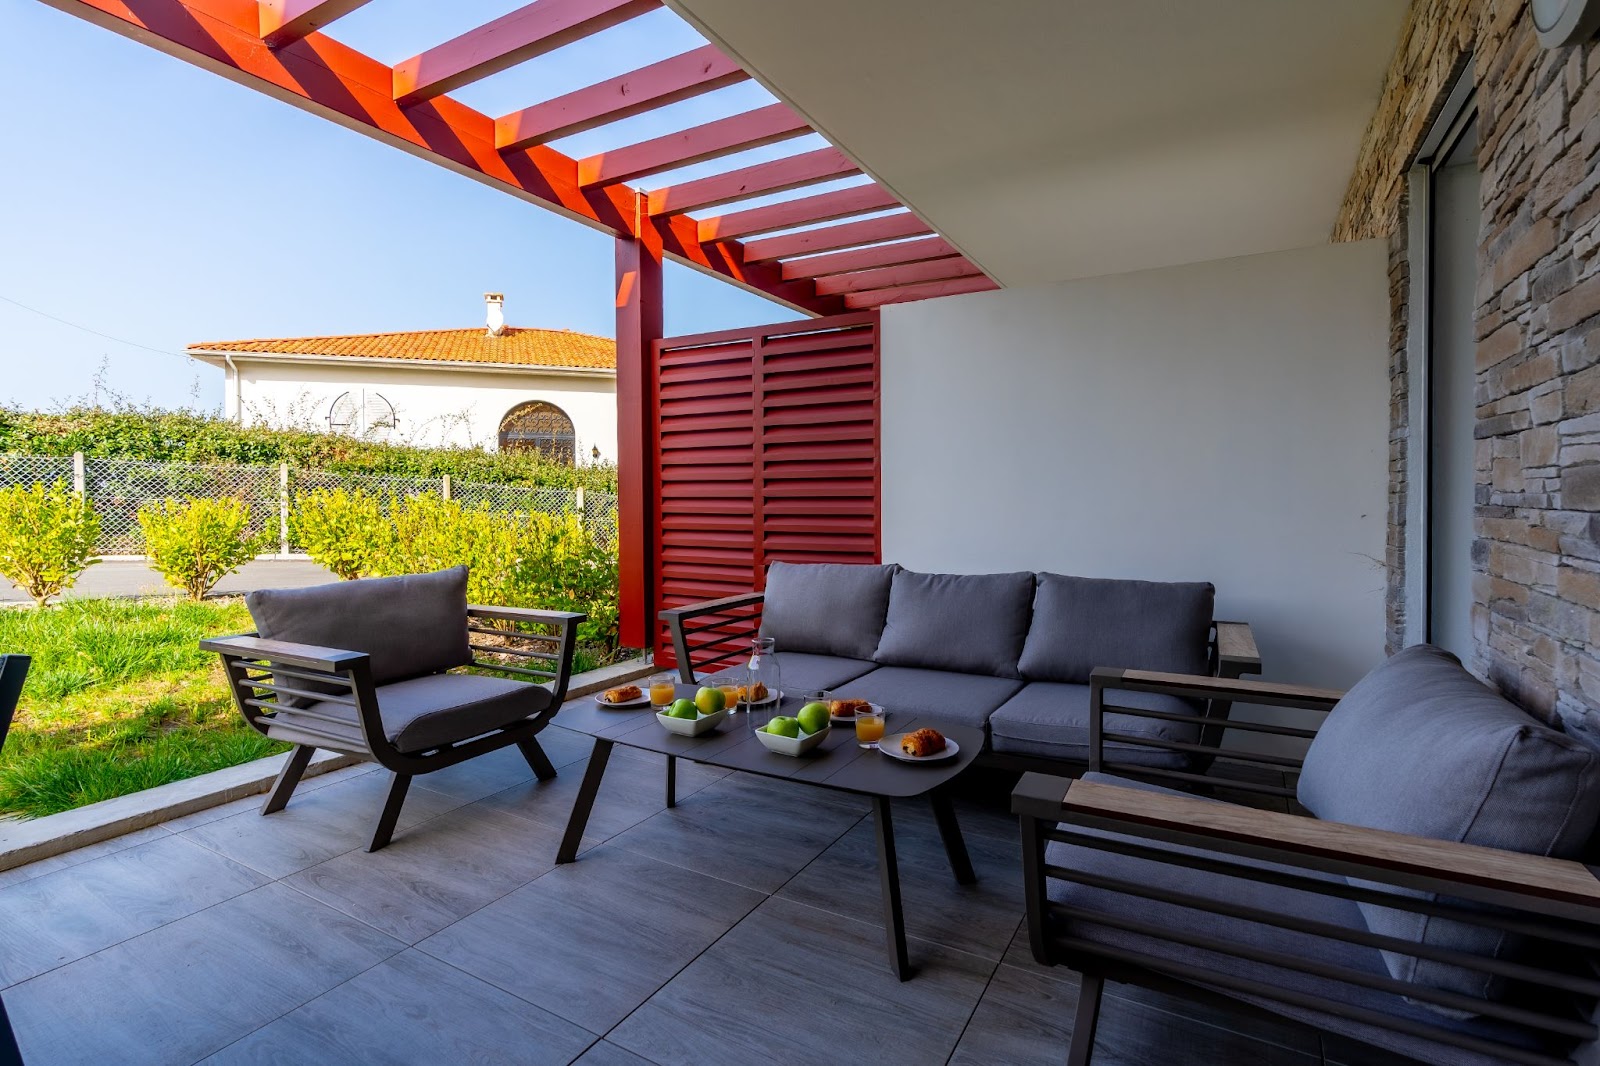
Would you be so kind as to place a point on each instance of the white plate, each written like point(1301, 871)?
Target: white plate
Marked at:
point(642, 701)
point(852, 719)
point(769, 701)
point(890, 746)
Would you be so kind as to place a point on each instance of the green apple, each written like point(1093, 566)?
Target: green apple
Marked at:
point(814, 717)
point(784, 726)
point(710, 700)
point(683, 709)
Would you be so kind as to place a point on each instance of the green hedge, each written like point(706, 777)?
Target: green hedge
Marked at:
point(189, 437)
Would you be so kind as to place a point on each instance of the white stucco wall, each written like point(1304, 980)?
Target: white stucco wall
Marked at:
point(434, 405)
point(1226, 422)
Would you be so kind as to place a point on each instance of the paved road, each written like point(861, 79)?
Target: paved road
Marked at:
point(137, 579)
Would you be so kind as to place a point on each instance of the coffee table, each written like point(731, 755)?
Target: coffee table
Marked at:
point(838, 764)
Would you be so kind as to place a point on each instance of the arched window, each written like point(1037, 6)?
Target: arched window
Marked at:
point(541, 427)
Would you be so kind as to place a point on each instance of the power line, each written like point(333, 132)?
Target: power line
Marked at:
point(95, 332)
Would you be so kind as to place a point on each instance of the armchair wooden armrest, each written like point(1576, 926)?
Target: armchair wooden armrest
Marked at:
point(525, 614)
point(1236, 650)
point(302, 656)
point(724, 637)
point(1199, 686)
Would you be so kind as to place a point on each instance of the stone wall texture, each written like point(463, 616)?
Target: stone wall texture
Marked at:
point(1536, 619)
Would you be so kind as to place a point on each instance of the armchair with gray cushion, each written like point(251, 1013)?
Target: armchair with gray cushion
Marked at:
point(363, 667)
point(1423, 889)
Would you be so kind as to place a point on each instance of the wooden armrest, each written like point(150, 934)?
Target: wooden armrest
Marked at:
point(1236, 647)
point(524, 614)
point(1199, 686)
point(690, 610)
point(304, 656)
point(1410, 861)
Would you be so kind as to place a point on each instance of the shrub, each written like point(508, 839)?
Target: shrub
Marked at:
point(196, 542)
point(47, 537)
point(347, 532)
point(562, 568)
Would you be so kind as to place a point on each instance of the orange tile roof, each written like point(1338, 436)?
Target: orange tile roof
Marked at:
point(514, 347)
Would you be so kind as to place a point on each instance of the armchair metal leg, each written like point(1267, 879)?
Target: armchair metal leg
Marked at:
point(1083, 1025)
point(293, 768)
point(538, 761)
point(384, 832)
point(672, 780)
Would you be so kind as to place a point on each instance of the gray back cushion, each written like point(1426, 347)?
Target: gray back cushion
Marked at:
point(826, 608)
point(410, 625)
point(1080, 623)
point(1421, 746)
point(972, 623)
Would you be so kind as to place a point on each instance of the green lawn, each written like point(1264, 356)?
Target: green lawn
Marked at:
point(120, 698)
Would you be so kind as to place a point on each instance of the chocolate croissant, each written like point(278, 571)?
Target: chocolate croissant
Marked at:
point(623, 694)
point(922, 742)
point(847, 708)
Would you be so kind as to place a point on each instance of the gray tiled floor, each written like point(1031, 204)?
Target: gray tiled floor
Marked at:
point(740, 927)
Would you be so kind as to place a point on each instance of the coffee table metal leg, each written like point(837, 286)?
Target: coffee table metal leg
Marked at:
point(955, 848)
point(894, 919)
point(672, 780)
point(585, 801)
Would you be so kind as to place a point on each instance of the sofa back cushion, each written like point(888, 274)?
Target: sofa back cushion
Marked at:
point(1421, 746)
point(1080, 623)
point(826, 608)
point(970, 623)
point(410, 625)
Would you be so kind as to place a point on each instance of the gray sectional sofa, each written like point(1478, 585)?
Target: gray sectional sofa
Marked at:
point(1007, 653)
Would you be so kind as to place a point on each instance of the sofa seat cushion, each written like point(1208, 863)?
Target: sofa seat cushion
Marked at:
point(969, 623)
point(424, 712)
point(1421, 746)
point(800, 673)
point(1052, 720)
point(1080, 623)
point(931, 696)
point(826, 608)
point(1174, 920)
point(409, 625)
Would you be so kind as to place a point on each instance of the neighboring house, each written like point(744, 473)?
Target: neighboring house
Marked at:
point(498, 386)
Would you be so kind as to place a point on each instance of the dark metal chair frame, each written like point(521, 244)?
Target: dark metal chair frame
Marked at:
point(262, 672)
point(1550, 901)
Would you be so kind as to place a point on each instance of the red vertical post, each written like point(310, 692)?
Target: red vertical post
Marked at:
point(639, 326)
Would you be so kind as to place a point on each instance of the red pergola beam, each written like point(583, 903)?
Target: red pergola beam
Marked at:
point(753, 129)
point(525, 33)
point(847, 235)
point(780, 175)
point(825, 207)
point(928, 290)
point(893, 276)
point(818, 266)
point(679, 78)
point(283, 22)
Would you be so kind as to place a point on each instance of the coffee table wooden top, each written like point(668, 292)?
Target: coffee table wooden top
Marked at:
point(838, 763)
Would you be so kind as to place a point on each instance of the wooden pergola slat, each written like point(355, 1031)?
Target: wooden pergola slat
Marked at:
point(889, 277)
point(657, 85)
point(528, 32)
point(829, 238)
point(925, 291)
point(881, 255)
point(780, 175)
point(825, 207)
point(283, 22)
point(752, 129)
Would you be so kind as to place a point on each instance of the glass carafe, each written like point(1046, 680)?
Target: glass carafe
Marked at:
point(762, 674)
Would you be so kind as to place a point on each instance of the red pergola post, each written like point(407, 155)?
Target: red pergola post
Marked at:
point(639, 325)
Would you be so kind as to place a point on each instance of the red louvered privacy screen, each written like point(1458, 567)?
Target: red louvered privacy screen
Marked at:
point(767, 449)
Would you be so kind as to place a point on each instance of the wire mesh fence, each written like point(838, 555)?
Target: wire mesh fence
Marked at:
point(118, 488)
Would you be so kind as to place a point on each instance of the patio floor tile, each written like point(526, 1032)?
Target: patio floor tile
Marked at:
point(794, 984)
point(184, 990)
point(79, 856)
point(605, 1053)
point(409, 1009)
point(592, 940)
point(50, 920)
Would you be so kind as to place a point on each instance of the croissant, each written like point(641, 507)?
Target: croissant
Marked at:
point(922, 742)
point(623, 694)
point(847, 708)
point(753, 694)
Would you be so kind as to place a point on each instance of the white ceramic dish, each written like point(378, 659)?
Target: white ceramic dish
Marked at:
point(691, 727)
point(851, 720)
point(643, 700)
point(890, 746)
point(791, 745)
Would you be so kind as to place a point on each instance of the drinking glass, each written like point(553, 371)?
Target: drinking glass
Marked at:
point(729, 684)
point(869, 727)
point(663, 690)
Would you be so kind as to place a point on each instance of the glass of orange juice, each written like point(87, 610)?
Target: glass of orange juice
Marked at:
point(869, 727)
point(730, 690)
point(663, 690)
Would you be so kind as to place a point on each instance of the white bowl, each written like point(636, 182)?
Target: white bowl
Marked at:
point(791, 745)
point(691, 727)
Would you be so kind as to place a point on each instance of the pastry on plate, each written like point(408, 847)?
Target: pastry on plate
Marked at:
point(752, 694)
point(624, 694)
point(922, 742)
point(848, 708)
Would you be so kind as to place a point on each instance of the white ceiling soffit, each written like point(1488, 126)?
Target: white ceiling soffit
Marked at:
point(1057, 139)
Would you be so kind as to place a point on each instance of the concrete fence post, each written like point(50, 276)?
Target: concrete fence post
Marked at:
point(283, 509)
point(80, 483)
point(577, 503)
point(444, 485)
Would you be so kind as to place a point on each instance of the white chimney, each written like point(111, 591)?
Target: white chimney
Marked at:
point(494, 304)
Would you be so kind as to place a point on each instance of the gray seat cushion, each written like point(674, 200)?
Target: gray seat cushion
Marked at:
point(427, 712)
point(971, 623)
point(931, 696)
point(1052, 720)
point(1421, 746)
point(801, 673)
point(1080, 623)
point(826, 608)
point(1238, 891)
point(410, 625)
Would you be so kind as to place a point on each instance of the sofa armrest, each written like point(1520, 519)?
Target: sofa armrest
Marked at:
point(711, 631)
point(1236, 650)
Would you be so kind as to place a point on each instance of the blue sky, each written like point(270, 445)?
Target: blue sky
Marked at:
point(155, 203)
